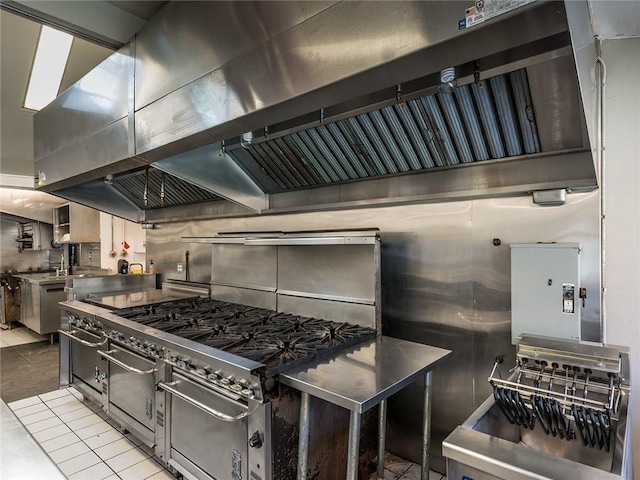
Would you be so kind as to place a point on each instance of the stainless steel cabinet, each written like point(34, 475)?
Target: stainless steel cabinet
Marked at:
point(39, 309)
point(76, 224)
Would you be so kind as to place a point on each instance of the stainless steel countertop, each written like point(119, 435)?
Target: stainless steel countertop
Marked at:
point(20, 455)
point(42, 278)
point(137, 299)
point(370, 372)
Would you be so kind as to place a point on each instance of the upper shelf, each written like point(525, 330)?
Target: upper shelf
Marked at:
point(350, 237)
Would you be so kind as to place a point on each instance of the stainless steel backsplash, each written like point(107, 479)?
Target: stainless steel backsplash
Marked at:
point(444, 283)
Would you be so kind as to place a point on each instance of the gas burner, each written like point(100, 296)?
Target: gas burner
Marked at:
point(279, 340)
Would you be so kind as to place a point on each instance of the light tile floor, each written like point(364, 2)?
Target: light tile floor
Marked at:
point(19, 335)
point(83, 442)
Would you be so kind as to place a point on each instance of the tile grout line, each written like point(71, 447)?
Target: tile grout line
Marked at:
point(137, 447)
point(82, 441)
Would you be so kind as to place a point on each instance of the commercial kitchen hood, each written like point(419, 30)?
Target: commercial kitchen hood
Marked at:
point(238, 108)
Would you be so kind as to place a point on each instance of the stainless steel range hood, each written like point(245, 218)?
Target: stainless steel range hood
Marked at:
point(342, 103)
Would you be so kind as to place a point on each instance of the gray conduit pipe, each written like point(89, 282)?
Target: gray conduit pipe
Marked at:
point(601, 79)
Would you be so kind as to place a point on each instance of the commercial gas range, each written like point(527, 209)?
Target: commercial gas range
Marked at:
point(195, 377)
point(211, 383)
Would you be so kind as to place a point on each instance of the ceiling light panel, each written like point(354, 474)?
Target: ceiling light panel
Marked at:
point(48, 67)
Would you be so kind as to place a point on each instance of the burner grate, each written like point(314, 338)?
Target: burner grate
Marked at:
point(279, 340)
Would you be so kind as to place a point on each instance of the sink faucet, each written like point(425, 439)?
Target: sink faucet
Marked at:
point(61, 269)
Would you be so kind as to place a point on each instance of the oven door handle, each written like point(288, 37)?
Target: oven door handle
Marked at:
point(79, 340)
point(121, 364)
point(168, 387)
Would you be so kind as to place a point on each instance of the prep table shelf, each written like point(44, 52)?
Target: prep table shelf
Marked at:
point(361, 378)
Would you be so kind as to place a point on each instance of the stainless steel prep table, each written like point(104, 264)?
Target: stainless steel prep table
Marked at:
point(359, 379)
point(133, 299)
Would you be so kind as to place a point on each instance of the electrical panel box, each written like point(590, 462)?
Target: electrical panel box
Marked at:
point(546, 298)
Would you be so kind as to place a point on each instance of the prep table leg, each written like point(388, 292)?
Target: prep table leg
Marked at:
point(426, 427)
point(303, 440)
point(382, 431)
point(354, 446)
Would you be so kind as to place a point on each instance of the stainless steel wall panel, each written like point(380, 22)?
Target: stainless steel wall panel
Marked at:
point(97, 100)
point(242, 266)
point(341, 271)
point(245, 296)
point(444, 283)
point(513, 221)
point(232, 28)
point(340, 312)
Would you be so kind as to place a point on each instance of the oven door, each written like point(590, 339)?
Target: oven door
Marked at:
point(131, 391)
point(207, 431)
point(85, 362)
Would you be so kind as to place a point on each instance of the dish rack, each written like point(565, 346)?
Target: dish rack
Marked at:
point(568, 390)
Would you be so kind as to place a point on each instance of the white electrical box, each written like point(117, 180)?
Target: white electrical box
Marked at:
point(546, 298)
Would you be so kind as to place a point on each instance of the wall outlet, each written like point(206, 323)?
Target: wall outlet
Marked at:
point(180, 267)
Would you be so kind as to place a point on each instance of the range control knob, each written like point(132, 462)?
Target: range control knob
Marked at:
point(256, 440)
